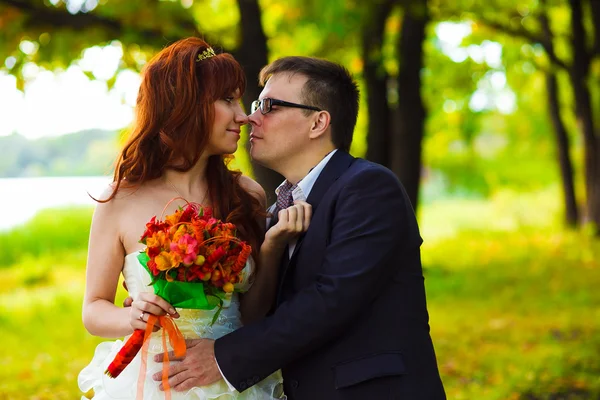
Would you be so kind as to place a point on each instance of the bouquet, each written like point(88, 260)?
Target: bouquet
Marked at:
point(194, 260)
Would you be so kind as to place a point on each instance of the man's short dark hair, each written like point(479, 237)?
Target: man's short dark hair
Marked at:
point(329, 87)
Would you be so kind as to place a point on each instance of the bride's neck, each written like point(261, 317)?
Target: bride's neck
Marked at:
point(191, 184)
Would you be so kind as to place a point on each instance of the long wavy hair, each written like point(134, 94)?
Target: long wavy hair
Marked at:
point(174, 115)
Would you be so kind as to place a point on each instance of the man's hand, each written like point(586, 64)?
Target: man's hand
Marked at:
point(291, 222)
point(197, 368)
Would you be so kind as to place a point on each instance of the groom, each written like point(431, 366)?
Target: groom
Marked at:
point(350, 320)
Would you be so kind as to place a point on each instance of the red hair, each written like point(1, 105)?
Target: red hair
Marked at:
point(174, 117)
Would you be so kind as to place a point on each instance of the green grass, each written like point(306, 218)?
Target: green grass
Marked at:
point(513, 301)
point(516, 314)
point(50, 232)
point(44, 343)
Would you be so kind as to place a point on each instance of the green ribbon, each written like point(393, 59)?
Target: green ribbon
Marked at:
point(181, 294)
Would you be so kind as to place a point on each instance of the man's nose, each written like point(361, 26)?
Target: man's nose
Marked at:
point(255, 118)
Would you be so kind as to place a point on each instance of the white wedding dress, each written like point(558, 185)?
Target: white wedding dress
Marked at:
point(192, 324)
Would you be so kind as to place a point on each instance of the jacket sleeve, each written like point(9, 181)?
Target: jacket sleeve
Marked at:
point(371, 223)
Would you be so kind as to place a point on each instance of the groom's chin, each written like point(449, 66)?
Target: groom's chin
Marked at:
point(256, 158)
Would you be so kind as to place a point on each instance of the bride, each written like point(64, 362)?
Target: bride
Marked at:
point(188, 119)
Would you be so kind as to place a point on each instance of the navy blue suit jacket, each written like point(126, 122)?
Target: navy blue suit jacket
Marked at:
point(351, 320)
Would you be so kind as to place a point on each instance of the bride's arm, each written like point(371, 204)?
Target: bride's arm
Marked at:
point(258, 300)
point(106, 254)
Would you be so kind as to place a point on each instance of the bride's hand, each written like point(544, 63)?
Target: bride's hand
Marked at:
point(145, 304)
point(293, 221)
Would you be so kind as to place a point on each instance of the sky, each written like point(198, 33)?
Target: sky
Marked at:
point(60, 102)
point(55, 103)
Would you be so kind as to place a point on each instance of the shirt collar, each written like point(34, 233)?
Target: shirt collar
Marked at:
point(306, 184)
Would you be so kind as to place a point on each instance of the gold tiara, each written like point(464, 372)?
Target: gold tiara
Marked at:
point(208, 53)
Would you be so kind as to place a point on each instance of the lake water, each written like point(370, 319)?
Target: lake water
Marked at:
point(22, 198)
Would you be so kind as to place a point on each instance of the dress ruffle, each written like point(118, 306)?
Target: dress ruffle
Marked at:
point(124, 387)
point(192, 324)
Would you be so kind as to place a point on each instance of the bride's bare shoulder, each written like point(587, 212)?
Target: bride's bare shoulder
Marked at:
point(124, 196)
point(254, 188)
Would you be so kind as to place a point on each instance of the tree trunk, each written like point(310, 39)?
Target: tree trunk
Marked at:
point(563, 146)
point(579, 74)
point(376, 79)
point(595, 8)
point(560, 131)
point(410, 115)
point(252, 54)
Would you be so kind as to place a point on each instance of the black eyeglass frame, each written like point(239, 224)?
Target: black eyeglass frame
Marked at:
point(269, 103)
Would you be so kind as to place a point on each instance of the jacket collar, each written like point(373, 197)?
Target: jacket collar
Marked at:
point(336, 166)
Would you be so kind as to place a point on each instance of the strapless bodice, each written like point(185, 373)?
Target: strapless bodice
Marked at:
point(192, 323)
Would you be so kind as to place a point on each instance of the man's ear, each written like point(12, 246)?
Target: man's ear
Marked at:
point(320, 124)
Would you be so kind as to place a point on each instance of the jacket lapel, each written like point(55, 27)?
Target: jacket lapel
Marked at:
point(271, 220)
point(336, 166)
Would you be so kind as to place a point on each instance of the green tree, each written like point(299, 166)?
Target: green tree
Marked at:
point(571, 49)
point(59, 31)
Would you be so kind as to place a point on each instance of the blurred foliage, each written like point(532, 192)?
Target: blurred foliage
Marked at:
point(51, 232)
point(515, 316)
point(86, 153)
point(61, 30)
point(476, 151)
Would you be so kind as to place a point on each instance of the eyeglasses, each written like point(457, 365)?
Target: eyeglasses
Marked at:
point(265, 105)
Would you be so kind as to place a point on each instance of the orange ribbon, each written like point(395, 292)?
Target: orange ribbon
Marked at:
point(177, 342)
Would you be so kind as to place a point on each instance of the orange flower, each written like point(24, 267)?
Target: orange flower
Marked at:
point(181, 230)
point(151, 228)
point(194, 241)
point(166, 260)
point(173, 219)
point(158, 239)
